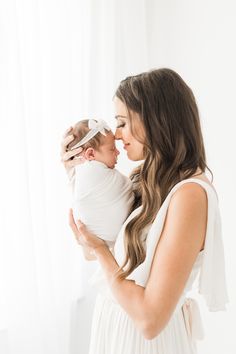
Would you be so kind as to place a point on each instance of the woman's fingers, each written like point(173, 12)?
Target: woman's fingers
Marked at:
point(71, 164)
point(72, 221)
point(78, 229)
point(68, 154)
point(70, 158)
point(67, 131)
point(83, 235)
point(66, 141)
point(74, 226)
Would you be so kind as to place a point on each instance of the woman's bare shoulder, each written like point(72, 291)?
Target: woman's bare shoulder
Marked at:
point(189, 192)
point(192, 188)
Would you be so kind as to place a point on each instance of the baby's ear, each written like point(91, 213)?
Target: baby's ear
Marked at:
point(89, 154)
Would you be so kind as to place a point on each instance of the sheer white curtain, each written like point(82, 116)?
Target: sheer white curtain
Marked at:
point(59, 61)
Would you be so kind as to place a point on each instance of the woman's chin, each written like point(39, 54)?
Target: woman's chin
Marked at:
point(133, 157)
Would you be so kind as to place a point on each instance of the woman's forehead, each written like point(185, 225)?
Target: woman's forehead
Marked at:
point(120, 108)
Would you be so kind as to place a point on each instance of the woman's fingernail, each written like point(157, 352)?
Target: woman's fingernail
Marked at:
point(69, 129)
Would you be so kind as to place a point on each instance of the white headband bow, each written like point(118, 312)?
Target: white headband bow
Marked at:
point(94, 127)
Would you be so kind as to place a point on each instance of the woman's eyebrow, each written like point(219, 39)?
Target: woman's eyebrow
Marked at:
point(119, 116)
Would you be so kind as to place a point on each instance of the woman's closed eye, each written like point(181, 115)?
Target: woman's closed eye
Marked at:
point(121, 125)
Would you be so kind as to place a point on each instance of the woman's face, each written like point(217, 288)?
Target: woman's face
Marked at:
point(123, 131)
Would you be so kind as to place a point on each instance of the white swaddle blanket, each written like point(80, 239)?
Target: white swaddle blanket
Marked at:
point(102, 198)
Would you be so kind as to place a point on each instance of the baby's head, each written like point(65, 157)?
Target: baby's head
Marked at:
point(99, 147)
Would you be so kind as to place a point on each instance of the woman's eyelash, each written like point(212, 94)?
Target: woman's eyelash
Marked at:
point(121, 125)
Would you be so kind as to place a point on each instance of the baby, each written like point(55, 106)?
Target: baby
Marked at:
point(102, 196)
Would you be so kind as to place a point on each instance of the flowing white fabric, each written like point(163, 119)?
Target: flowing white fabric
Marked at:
point(114, 332)
point(59, 61)
point(102, 198)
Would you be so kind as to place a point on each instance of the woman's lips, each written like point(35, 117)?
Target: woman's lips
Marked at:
point(125, 146)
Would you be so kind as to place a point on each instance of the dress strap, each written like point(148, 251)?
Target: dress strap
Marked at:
point(212, 281)
point(204, 184)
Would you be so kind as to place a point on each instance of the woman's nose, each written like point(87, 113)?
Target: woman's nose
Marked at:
point(117, 134)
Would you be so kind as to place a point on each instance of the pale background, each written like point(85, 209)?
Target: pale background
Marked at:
point(61, 60)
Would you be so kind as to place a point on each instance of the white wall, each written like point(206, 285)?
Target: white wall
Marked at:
point(197, 39)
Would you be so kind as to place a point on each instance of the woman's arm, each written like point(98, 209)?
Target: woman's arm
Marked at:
point(69, 161)
point(88, 255)
point(181, 240)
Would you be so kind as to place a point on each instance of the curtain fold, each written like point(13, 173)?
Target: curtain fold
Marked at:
point(60, 61)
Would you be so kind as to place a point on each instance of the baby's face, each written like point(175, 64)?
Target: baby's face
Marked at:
point(107, 152)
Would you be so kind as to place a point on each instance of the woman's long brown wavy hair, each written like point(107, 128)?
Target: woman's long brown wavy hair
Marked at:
point(173, 148)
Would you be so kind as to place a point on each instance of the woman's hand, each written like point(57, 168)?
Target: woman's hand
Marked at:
point(84, 237)
point(70, 158)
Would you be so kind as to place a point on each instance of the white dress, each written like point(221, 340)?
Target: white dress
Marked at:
point(113, 331)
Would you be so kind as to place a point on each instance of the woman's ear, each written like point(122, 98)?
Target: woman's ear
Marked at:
point(89, 154)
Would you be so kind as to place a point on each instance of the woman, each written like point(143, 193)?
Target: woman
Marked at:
point(172, 234)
